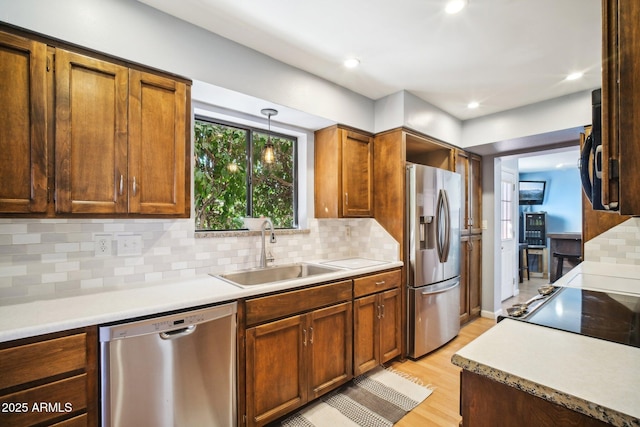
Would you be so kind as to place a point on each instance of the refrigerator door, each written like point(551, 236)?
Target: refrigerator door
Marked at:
point(433, 224)
point(452, 188)
point(424, 246)
point(434, 320)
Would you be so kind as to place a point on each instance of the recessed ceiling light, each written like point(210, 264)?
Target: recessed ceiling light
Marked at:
point(473, 104)
point(351, 62)
point(455, 6)
point(575, 76)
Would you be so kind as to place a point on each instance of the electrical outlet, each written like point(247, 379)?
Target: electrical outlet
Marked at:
point(103, 245)
point(347, 231)
point(129, 244)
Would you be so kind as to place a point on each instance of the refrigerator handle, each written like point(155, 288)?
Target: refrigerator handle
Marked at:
point(447, 237)
point(443, 226)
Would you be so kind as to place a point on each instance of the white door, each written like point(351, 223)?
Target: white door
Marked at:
point(507, 234)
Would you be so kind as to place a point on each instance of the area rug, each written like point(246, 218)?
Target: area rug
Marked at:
point(379, 398)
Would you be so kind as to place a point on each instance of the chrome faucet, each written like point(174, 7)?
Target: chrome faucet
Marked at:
point(263, 253)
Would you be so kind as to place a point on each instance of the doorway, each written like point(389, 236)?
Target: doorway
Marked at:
point(508, 213)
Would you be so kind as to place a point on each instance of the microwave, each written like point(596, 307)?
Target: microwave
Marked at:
point(591, 157)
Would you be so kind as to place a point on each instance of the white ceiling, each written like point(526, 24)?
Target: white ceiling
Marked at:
point(558, 159)
point(501, 53)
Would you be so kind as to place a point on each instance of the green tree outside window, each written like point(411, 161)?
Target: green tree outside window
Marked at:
point(231, 181)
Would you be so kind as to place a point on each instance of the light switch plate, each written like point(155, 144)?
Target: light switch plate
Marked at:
point(129, 244)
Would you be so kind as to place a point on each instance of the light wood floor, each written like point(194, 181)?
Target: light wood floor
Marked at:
point(442, 408)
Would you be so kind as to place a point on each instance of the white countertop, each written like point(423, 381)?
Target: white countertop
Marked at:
point(32, 316)
point(588, 375)
point(595, 377)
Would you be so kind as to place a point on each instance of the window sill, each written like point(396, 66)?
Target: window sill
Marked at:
point(247, 233)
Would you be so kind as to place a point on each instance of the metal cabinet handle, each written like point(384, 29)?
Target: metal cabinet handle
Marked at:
point(382, 311)
point(135, 187)
point(311, 335)
point(304, 337)
point(121, 184)
point(346, 199)
point(381, 282)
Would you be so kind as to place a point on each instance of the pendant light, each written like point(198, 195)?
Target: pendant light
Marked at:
point(269, 154)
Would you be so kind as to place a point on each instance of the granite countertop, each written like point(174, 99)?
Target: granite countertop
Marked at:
point(588, 375)
point(27, 317)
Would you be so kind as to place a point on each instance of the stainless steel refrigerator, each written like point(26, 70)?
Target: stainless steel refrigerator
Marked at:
point(433, 257)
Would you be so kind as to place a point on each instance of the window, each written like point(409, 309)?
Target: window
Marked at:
point(506, 206)
point(232, 182)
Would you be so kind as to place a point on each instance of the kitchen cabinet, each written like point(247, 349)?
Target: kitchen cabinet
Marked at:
point(50, 379)
point(470, 277)
point(469, 166)
point(343, 173)
point(23, 131)
point(131, 158)
point(298, 347)
point(91, 135)
point(119, 134)
point(620, 107)
point(376, 320)
point(485, 402)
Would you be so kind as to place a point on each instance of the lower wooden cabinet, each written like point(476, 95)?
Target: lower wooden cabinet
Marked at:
point(376, 330)
point(470, 277)
point(50, 380)
point(294, 360)
point(487, 403)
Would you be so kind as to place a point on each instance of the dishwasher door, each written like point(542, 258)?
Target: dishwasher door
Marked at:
point(433, 316)
point(174, 370)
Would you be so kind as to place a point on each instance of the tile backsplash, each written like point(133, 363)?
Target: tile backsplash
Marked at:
point(42, 257)
point(619, 245)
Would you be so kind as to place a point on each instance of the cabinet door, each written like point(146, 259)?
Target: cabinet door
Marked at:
point(390, 335)
point(91, 135)
point(475, 276)
point(275, 370)
point(366, 339)
point(329, 344)
point(23, 153)
point(462, 167)
point(157, 145)
point(465, 247)
point(475, 193)
point(357, 175)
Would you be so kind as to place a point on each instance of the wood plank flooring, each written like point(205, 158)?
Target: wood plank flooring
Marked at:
point(442, 408)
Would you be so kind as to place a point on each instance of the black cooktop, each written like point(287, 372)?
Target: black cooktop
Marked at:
point(607, 316)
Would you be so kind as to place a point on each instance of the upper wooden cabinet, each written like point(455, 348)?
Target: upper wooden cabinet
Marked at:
point(343, 173)
point(23, 139)
point(91, 135)
point(121, 142)
point(620, 106)
point(469, 166)
point(158, 145)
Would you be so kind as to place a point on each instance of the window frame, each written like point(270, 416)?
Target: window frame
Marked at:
point(250, 164)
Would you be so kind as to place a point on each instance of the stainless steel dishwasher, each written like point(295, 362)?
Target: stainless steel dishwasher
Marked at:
point(174, 370)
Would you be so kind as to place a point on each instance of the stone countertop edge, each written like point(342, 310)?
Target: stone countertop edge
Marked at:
point(56, 314)
point(574, 403)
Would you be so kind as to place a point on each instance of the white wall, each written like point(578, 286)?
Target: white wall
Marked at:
point(136, 32)
point(556, 115)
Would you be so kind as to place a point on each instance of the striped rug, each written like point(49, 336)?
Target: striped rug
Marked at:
point(378, 398)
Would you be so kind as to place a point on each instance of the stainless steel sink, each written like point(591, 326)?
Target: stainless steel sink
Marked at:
point(279, 273)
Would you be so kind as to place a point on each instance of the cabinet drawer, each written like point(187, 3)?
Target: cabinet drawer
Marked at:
point(288, 303)
point(31, 362)
point(376, 283)
point(46, 402)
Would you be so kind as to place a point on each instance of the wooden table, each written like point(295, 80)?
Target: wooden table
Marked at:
point(566, 243)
